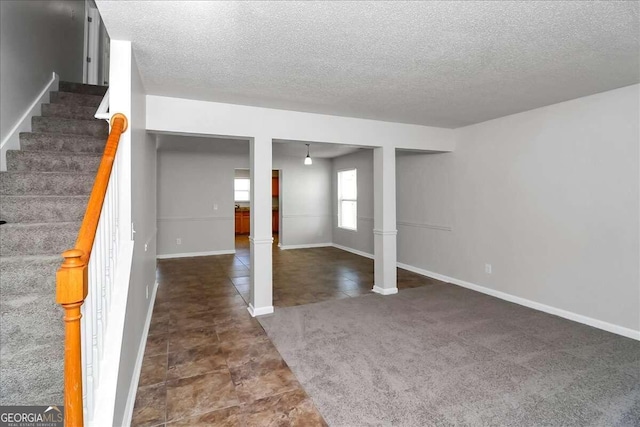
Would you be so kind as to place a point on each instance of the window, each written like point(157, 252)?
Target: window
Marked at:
point(348, 199)
point(241, 188)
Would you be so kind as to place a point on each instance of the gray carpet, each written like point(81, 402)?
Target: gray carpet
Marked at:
point(444, 355)
point(43, 195)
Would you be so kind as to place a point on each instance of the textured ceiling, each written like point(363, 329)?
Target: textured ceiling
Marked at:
point(233, 146)
point(444, 64)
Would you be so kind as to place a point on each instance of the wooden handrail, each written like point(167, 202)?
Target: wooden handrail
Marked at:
point(72, 279)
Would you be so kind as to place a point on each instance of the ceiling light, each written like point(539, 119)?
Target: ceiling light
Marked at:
point(307, 160)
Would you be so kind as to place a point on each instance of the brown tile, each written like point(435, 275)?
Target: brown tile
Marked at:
point(154, 370)
point(230, 314)
point(159, 324)
point(195, 361)
point(188, 320)
point(241, 352)
point(228, 417)
point(226, 301)
point(189, 338)
point(181, 306)
point(250, 387)
point(241, 331)
point(200, 394)
point(293, 408)
point(156, 344)
point(149, 407)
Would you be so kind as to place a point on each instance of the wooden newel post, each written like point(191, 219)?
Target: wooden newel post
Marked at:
point(71, 291)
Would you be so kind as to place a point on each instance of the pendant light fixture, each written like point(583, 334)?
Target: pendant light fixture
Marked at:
point(307, 160)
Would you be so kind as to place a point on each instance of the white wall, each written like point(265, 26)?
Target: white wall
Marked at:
point(549, 197)
point(188, 116)
point(361, 239)
point(36, 39)
point(191, 181)
point(142, 166)
point(306, 201)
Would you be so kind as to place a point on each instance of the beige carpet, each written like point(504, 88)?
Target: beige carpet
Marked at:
point(444, 355)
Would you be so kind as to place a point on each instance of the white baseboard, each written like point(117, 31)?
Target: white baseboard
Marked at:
point(385, 291)
point(12, 140)
point(131, 398)
point(307, 246)
point(259, 311)
point(196, 254)
point(353, 251)
point(605, 326)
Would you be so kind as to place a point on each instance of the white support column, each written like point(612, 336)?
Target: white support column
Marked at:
point(384, 230)
point(261, 240)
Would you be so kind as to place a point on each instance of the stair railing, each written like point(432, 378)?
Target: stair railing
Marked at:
point(83, 275)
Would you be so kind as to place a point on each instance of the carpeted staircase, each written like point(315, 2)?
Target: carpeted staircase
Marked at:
point(43, 195)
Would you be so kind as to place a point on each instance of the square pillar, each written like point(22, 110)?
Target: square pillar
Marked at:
point(260, 239)
point(384, 223)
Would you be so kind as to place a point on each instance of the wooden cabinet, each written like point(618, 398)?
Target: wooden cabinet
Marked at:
point(275, 221)
point(243, 222)
point(275, 187)
point(238, 222)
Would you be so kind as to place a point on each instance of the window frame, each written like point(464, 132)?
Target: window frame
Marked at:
point(341, 199)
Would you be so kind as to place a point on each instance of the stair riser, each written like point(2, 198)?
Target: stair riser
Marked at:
point(75, 99)
point(52, 142)
point(82, 88)
point(24, 276)
point(95, 128)
point(42, 209)
point(26, 183)
point(68, 111)
point(44, 240)
point(47, 162)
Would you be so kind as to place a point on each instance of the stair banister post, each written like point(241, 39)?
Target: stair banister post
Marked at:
point(71, 291)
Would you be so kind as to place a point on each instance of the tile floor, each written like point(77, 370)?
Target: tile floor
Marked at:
point(207, 362)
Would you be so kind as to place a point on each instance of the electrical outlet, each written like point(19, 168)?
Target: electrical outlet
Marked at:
point(179, 241)
point(215, 206)
point(487, 268)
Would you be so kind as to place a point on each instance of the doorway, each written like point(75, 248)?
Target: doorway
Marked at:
point(97, 48)
point(242, 201)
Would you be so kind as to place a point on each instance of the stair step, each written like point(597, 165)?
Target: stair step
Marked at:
point(30, 141)
point(82, 88)
point(33, 374)
point(75, 99)
point(51, 161)
point(46, 183)
point(58, 125)
point(31, 319)
point(24, 275)
point(28, 209)
point(68, 111)
point(37, 239)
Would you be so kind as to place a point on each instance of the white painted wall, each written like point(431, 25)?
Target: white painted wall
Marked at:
point(140, 148)
point(37, 38)
point(306, 201)
point(190, 116)
point(191, 181)
point(362, 239)
point(549, 197)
